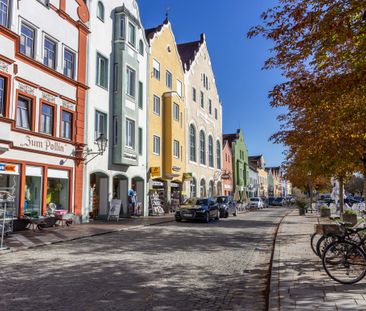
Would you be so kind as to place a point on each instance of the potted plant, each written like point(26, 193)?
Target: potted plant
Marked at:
point(350, 216)
point(324, 211)
point(301, 204)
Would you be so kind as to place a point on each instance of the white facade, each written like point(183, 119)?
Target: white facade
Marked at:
point(204, 115)
point(106, 178)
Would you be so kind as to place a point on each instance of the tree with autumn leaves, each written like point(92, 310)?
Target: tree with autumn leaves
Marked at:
point(320, 47)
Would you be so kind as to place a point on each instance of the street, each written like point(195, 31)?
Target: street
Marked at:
point(174, 266)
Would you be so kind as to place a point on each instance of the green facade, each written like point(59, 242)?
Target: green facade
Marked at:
point(240, 165)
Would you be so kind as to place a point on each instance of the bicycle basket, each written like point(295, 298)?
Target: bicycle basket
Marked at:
point(328, 229)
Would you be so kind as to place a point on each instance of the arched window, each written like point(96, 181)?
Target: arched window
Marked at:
point(193, 188)
point(192, 143)
point(100, 11)
point(202, 147)
point(218, 154)
point(210, 152)
point(141, 47)
point(203, 188)
point(211, 186)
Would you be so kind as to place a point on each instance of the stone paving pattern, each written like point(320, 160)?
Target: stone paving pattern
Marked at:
point(172, 266)
point(298, 279)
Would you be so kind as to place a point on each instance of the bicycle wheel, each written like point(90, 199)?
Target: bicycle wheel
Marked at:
point(314, 240)
point(322, 244)
point(344, 262)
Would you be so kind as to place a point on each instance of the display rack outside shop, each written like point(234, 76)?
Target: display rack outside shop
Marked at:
point(7, 211)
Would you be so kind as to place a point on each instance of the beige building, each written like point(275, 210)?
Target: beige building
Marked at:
point(203, 121)
point(259, 164)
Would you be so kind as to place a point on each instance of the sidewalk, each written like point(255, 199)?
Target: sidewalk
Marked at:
point(298, 279)
point(28, 239)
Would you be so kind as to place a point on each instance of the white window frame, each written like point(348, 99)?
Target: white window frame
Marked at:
point(100, 117)
point(156, 69)
point(131, 34)
point(45, 118)
point(6, 13)
point(130, 133)
point(28, 113)
point(65, 62)
point(3, 95)
point(33, 50)
point(179, 88)
point(156, 103)
point(46, 51)
point(131, 83)
point(156, 145)
point(67, 122)
point(99, 59)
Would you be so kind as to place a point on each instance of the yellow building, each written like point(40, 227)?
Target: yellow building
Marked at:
point(166, 117)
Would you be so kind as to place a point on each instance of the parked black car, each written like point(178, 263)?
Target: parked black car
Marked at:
point(198, 209)
point(279, 201)
point(270, 200)
point(227, 206)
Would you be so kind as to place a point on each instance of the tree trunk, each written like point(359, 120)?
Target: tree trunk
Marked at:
point(341, 194)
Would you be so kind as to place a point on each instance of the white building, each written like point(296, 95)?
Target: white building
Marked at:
point(204, 120)
point(116, 107)
point(42, 101)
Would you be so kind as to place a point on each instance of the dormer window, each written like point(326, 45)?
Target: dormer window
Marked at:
point(100, 11)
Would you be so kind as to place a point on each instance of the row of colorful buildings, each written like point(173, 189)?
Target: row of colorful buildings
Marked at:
point(95, 109)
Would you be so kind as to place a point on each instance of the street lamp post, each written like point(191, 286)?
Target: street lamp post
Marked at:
point(101, 142)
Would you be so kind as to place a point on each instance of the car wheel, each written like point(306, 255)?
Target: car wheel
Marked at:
point(207, 218)
point(226, 214)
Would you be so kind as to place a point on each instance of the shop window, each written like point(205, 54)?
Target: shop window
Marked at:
point(58, 189)
point(4, 12)
point(9, 182)
point(24, 113)
point(2, 96)
point(33, 191)
point(27, 37)
point(47, 119)
point(69, 64)
point(66, 125)
point(49, 53)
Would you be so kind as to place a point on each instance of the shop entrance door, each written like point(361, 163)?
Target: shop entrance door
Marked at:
point(120, 192)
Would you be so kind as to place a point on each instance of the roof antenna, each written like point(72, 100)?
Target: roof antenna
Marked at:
point(167, 11)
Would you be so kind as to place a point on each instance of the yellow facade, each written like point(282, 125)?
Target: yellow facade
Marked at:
point(165, 125)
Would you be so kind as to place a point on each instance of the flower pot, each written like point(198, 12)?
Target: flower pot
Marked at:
point(351, 218)
point(324, 212)
point(301, 211)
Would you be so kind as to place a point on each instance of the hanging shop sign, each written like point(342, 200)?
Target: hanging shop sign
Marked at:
point(155, 171)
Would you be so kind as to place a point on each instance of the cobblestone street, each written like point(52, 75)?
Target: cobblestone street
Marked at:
point(173, 266)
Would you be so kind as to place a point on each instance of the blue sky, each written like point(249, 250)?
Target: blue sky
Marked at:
point(237, 62)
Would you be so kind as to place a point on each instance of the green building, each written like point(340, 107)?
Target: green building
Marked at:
point(240, 164)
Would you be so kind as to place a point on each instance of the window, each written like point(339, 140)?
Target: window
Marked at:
point(141, 95)
point(2, 96)
point(69, 64)
point(100, 11)
point(102, 71)
point(203, 188)
point(4, 13)
point(130, 133)
point(156, 145)
point(131, 34)
point(202, 100)
point(100, 127)
point(194, 94)
point(218, 155)
point(210, 106)
point(115, 131)
point(27, 41)
point(131, 82)
point(193, 188)
point(66, 125)
point(210, 152)
point(202, 148)
point(216, 113)
point(141, 47)
point(122, 27)
point(115, 77)
point(58, 188)
point(156, 105)
point(175, 112)
point(47, 119)
point(44, 2)
point(176, 149)
point(24, 113)
point(140, 141)
point(49, 56)
point(179, 88)
point(192, 143)
point(156, 69)
point(169, 80)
